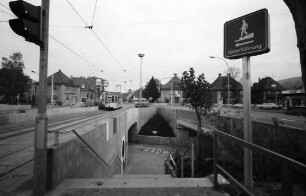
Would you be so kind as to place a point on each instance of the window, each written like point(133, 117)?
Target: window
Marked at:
point(83, 85)
point(54, 87)
point(67, 98)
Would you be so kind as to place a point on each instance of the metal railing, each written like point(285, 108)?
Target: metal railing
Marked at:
point(286, 162)
point(56, 143)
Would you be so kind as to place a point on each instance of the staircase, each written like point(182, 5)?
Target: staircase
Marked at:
point(137, 185)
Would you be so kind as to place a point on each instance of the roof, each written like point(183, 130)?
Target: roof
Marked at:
point(59, 78)
point(267, 83)
point(221, 83)
point(176, 81)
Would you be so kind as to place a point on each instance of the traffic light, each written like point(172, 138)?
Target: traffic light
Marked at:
point(27, 24)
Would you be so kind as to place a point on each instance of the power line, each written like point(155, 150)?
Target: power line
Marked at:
point(7, 13)
point(5, 6)
point(93, 16)
point(71, 50)
point(78, 55)
point(96, 35)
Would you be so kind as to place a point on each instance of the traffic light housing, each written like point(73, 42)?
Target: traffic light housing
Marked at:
point(28, 23)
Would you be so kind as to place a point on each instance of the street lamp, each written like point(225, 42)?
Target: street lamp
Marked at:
point(140, 90)
point(228, 91)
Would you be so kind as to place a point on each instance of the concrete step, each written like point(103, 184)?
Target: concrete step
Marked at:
point(137, 186)
point(129, 176)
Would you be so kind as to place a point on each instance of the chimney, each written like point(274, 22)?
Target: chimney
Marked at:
point(175, 75)
point(258, 79)
point(59, 70)
point(219, 75)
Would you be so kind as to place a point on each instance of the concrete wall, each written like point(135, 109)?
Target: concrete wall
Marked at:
point(73, 159)
point(14, 107)
point(30, 115)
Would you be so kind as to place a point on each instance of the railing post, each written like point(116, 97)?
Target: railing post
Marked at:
point(216, 185)
point(192, 160)
point(182, 167)
point(56, 138)
point(286, 180)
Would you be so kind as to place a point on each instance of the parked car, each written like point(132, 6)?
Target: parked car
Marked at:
point(269, 106)
point(238, 105)
point(143, 102)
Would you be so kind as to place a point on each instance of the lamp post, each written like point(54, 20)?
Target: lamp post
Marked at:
point(140, 90)
point(228, 91)
point(274, 86)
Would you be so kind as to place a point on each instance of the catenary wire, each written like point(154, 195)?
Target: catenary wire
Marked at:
point(94, 13)
point(7, 13)
point(97, 37)
point(77, 54)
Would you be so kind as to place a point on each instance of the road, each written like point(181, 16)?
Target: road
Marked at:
point(269, 116)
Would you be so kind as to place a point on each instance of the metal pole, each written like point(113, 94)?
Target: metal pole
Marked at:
point(41, 121)
point(192, 160)
point(171, 96)
point(247, 126)
point(52, 83)
point(228, 91)
point(140, 91)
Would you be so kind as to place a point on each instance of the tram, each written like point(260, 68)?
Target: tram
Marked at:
point(112, 101)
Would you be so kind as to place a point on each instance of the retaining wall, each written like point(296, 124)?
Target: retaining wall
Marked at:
point(30, 114)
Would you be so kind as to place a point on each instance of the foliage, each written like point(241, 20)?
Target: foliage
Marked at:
point(151, 90)
point(234, 72)
point(196, 91)
point(12, 79)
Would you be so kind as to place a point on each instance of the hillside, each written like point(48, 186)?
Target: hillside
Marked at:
point(291, 83)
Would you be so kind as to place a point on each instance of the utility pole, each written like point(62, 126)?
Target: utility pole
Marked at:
point(41, 121)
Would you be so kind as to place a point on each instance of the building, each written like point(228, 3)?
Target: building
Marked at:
point(220, 90)
point(64, 91)
point(266, 90)
point(172, 88)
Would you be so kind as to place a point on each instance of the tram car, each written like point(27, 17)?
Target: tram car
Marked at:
point(112, 101)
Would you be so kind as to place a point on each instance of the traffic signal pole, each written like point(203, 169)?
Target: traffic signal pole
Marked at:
point(41, 121)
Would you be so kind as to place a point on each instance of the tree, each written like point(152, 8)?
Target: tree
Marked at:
point(234, 72)
point(198, 94)
point(13, 82)
point(151, 90)
point(297, 9)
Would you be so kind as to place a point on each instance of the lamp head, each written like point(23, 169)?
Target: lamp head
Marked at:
point(141, 55)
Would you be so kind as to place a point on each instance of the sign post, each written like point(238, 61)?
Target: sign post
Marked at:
point(244, 37)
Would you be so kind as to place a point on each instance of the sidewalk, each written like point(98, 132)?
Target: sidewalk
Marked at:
point(145, 159)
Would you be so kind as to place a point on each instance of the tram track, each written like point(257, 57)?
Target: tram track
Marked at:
point(59, 125)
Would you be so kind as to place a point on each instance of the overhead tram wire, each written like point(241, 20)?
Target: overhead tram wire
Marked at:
point(5, 7)
point(96, 35)
point(78, 55)
point(93, 16)
point(7, 13)
point(71, 50)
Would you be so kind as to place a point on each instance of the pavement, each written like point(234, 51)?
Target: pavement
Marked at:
point(143, 159)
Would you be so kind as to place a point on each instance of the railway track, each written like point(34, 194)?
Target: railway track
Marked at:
point(22, 156)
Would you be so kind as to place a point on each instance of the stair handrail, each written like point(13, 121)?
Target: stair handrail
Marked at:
point(56, 132)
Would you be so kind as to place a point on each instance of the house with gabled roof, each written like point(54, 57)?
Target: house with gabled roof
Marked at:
point(65, 92)
point(173, 85)
point(220, 90)
point(90, 89)
point(266, 90)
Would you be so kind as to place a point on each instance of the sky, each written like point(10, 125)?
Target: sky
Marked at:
point(174, 35)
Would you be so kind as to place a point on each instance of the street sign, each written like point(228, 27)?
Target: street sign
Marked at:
point(247, 35)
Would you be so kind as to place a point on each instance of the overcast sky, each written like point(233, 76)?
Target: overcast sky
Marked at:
point(174, 35)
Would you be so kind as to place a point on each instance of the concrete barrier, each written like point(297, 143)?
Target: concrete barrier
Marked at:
point(30, 114)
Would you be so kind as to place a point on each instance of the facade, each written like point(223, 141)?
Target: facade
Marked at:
point(266, 90)
point(220, 90)
point(172, 88)
point(65, 92)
